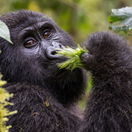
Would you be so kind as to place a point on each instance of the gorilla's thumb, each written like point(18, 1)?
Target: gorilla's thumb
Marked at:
point(87, 60)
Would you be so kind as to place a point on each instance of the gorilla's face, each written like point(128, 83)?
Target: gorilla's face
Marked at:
point(32, 59)
point(36, 39)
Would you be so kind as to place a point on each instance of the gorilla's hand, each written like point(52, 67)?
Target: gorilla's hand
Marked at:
point(107, 53)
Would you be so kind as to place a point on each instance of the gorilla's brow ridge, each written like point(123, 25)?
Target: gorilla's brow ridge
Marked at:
point(35, 27)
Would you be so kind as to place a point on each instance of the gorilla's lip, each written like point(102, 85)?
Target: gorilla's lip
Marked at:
point(56, 60)
point(50, 63)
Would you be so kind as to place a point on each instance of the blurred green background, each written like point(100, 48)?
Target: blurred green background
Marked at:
point(78, 17)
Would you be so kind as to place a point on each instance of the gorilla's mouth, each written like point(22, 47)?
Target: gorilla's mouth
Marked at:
point(54, 52)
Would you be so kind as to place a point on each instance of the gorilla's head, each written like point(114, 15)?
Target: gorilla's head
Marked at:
point(32, 58)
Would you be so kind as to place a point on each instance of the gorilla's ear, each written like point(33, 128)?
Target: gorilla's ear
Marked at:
point(4, 32)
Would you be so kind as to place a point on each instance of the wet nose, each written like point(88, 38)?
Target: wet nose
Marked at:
point(51, 50)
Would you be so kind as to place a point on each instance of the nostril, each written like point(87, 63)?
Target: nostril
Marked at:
point(53, 52)
point(60, 46)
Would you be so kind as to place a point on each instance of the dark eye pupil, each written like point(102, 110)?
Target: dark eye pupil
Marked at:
point(29, 43)
point(47, 34)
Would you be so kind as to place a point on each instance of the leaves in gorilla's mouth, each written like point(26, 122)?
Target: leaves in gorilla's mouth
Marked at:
point(74, 57)
point(4, 32)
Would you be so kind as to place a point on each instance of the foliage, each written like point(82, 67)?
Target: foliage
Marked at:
point(121, 19)
point(4, 112)
point(4, 95)
point(74, 57)
point(4, 32)
point(78, 17)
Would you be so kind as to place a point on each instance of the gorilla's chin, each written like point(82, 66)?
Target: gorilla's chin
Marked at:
point(65, 74)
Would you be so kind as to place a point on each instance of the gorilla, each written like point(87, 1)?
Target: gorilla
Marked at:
point(45, 96)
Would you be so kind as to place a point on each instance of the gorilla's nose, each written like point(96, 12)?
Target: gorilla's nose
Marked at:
point(51, 50)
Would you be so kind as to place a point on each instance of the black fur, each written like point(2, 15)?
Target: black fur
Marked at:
point(43, 94)
point(110, 104)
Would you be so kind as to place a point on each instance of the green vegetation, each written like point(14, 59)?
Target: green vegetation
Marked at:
point(4, 32)
point(74, 57)
point(4, 112)
point(4, 95)
point(121, 20)
point(78, 17)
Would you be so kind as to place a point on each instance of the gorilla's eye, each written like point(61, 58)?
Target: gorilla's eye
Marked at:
point(30, 43)
point(47, 33)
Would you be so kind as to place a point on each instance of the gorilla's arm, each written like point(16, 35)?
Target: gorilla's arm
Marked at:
point(110, 104)
point(38, 111)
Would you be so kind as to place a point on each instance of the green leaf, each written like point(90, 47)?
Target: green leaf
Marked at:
point(4, 102)
point(74, 57)
point(121, 19)
point(4, 32)
point(113, 18)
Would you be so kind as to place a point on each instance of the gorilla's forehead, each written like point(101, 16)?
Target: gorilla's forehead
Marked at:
point(24, 18)
point(35, 22)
